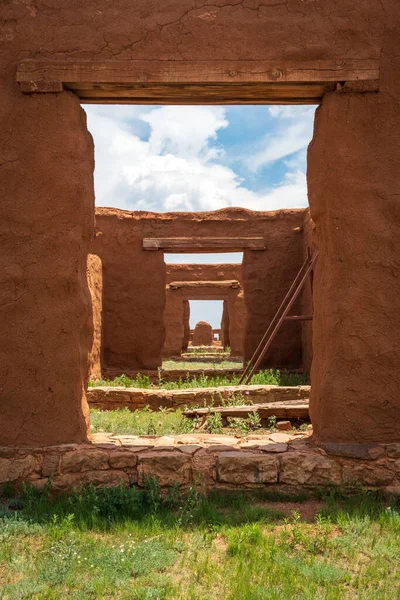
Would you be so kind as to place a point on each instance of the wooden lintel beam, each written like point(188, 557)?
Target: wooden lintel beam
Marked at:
point(193, 285)
point(203, 244)
point(213, 81)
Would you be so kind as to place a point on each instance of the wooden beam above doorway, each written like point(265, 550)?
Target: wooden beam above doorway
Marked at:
point(194, 245)
point(195, 285)
point(196, 82)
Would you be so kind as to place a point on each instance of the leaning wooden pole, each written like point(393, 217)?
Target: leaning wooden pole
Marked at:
point(280, 309)
point(282, 317)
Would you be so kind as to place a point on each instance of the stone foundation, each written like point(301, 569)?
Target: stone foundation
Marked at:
point(214, 461)
point(113, 398)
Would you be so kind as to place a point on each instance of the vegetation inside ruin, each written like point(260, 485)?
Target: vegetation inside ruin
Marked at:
point(200, 380)
point(122, 543)
point(208, 350)
point(171, 365)
point(173, 422)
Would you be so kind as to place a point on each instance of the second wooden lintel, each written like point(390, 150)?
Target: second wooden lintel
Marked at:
point(203, 244)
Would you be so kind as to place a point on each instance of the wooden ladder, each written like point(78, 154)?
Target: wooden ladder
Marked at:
point(280, 317)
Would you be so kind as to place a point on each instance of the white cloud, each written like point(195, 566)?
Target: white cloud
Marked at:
point(292, 134)
point(174, 166)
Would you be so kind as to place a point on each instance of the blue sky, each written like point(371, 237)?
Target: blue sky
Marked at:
point(196, 158)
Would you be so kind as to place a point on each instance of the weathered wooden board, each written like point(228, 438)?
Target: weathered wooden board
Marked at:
point(192, 82)
point(291, 409)
point(193, 285)
point(203, 244)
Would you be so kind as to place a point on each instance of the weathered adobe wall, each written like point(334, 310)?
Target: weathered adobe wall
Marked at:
point(133, 316)
point(309, 248)
point(174, 323)
point(46, 220)
point(95, 282)
point(237, 321)
point(216, 461)
point(206, 272)
point(177, 339)
point(133, 290)
point(225, 325)
point(267, 277)
point(202, 334)
point(186, 325)
point(353, 164)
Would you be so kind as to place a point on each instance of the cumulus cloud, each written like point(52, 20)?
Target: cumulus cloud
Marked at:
point(166, 158)
point(291, 135)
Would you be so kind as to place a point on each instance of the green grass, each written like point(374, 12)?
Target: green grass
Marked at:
point(124, 544)
point(266, 377)
point(171, 365)
point(140, 422)
point(170, 422)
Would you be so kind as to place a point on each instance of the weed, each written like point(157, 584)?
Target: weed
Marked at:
point(214, 423)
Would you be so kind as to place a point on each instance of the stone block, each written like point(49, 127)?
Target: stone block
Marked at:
point(393, 450)
point(284, 426)
point(15, 469)
point(299, 468)
point(367, 474)
point(168, 466)
point(246, 467)
point(84, 460)
point(122, 460)
point(204, 465)
point(363, 451)
point(50, 464)
point(70, 481)
point(279, 437)
point(271, 447)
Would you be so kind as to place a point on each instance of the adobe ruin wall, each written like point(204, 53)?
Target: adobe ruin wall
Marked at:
point(95, 282)
point(134, 282)
point(47, 216)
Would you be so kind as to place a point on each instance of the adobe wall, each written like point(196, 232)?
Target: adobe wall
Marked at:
point(225, 325)
point(46, 224)
point(186, 325)
point(95, 282)
point(133, 290)
point(175, 337)
point(267, 276)
point(46, 213)
point(174, 323)
point(134, 298)
point(204, 272)
point(306, 302)
point(355, 371)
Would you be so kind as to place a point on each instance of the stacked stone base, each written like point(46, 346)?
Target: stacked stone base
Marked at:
point(115, 398)
point(209, 461)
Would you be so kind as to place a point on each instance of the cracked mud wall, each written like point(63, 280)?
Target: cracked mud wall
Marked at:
point(47, 217)
point(134, 280)
point(46, 162)
point(95, 282)
point(133, 292)
point(306, 302)
point(353, 177)
point(267, 277)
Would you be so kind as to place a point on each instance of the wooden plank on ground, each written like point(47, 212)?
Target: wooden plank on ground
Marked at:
point(291, 409)
point(203, 244)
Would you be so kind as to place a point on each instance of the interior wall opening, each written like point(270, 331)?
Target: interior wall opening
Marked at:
point(248, 163)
